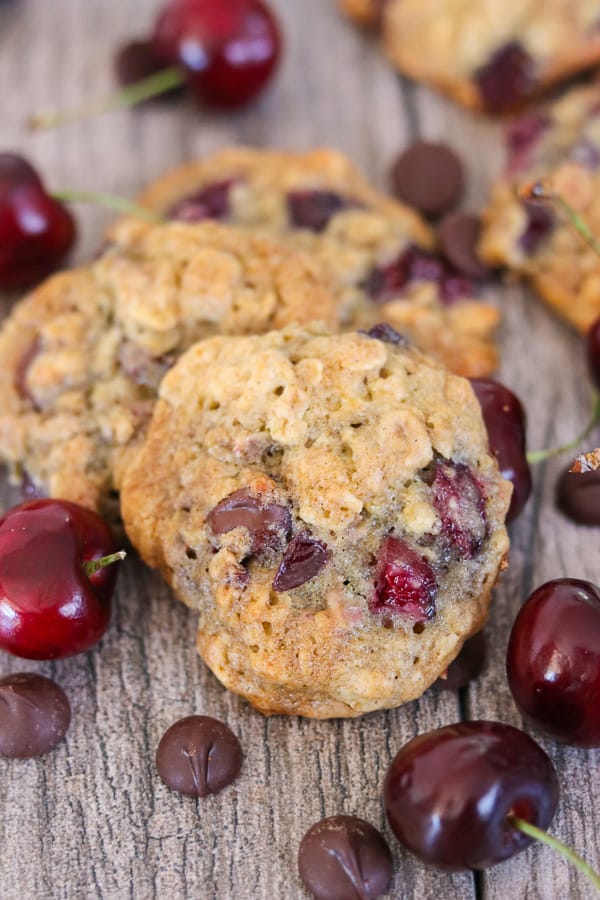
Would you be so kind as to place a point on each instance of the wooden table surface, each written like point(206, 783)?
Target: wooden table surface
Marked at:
point(92, 819)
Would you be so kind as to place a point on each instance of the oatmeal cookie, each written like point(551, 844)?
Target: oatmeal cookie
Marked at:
point(82, 357)
point(489, 56)
point(329, 506)
point(375, 251)
point(560, 144)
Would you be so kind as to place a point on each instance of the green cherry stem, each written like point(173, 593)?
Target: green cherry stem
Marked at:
point(539, 835)
point(110, 202)
point(537, 456)
point(91, 566)
point(153, 86)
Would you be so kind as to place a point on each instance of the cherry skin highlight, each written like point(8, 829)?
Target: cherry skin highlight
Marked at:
point(553, 660)
point(449, 794)
point(49, 606)
point(228, 50)
point(36, 231)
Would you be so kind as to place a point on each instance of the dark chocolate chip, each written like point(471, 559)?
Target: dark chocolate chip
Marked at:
point(345, 858)
point(211, 202)
point(458, 235)
point(198, 756)
point(507, 79)
point(428, 176)
point(136, 61)
point(384, 332)
point(578, 496)
point(34, 715)
point(269, 524)
point(314, 209)
point(304, 558)
point(466, 667)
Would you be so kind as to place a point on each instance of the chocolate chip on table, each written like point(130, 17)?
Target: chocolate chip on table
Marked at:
point(458, 235)
point(34, 715)
point(344, 858)
point(578, 496)
point(429, 177)
point(466, 667)
point(304, 558)
point(268, 523)
point(198, 756)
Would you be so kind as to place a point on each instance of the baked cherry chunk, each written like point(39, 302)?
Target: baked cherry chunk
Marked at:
point(459, 501)
point(413, 264)
point(210, 202)
point(36, 231)
point(269, 524)
point(553, 660)
point(405, 582)
point(507, 79)
point(313, 209)
point(538, 228)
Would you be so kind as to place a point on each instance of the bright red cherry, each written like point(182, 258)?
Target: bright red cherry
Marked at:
point(229, 49)
point(36, 231)
point(51, 603)
point(505, 422)
point(553, 660)
point(449, 794)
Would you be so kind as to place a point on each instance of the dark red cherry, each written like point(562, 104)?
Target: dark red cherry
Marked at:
point(36, 231)
point(507, 79)
point(592, 346)
point(229, 50)
point(405, 582)
point(553, 660)
point(540, 222)
point(49, 606)
point(384, 283)
point(449, 794)
point(210, 202)
point(505, 422)
point(136, 61)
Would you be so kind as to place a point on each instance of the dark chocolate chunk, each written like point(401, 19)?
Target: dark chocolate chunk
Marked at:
point(345, 858)
point(198, 756)
point(384, 332)
point(507, 79)
point(466, 667)
point(304, 558)
point(211, 202)
point(428, 176)
point(578, 496)
point(34, 715)
point(458, 235)
point(314, 209)
point(269, 524)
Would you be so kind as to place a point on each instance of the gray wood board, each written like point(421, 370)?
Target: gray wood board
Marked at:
point(92, 820)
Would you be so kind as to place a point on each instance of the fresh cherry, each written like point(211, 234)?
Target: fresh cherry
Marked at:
point(228, 50)
point(553, 660)
point(505, 422)
point(593, 352)
point(36, 231)
point(56, 579)
point(136, 61)
point(450, 794)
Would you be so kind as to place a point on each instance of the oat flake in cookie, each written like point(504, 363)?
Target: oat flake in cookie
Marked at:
point(82, 357)
point(329, 505)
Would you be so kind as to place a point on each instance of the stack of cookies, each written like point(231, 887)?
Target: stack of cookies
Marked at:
point(267, 391)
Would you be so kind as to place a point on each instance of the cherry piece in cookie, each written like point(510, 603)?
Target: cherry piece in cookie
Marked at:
point(507, 79)
point(344, 858)
point(314, 209)
point(210, 202)
point(198, 756)
point(405, 582)
point(460, 504)
point(56, 579)
point(429, 177)
point(449, 794)
point(553, 660)
point(35, 715)
point(578, 496)
point(36, 231)
point(458, 234)
point(228, 51)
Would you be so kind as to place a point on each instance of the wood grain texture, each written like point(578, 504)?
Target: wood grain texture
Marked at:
point(92, 820)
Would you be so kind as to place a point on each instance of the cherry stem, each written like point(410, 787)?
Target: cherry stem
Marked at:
point(91, 566)
point(539, 834)
point(110, 202)
point(146, 89)
point(536, 456)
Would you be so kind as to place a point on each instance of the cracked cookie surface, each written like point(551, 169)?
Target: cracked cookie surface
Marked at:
point(82, 357)
point(561, 144)
point(329, 505)
point(375, 252)
point(487, 55)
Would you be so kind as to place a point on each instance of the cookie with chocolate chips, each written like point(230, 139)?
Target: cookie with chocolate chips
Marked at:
point(329, 506)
